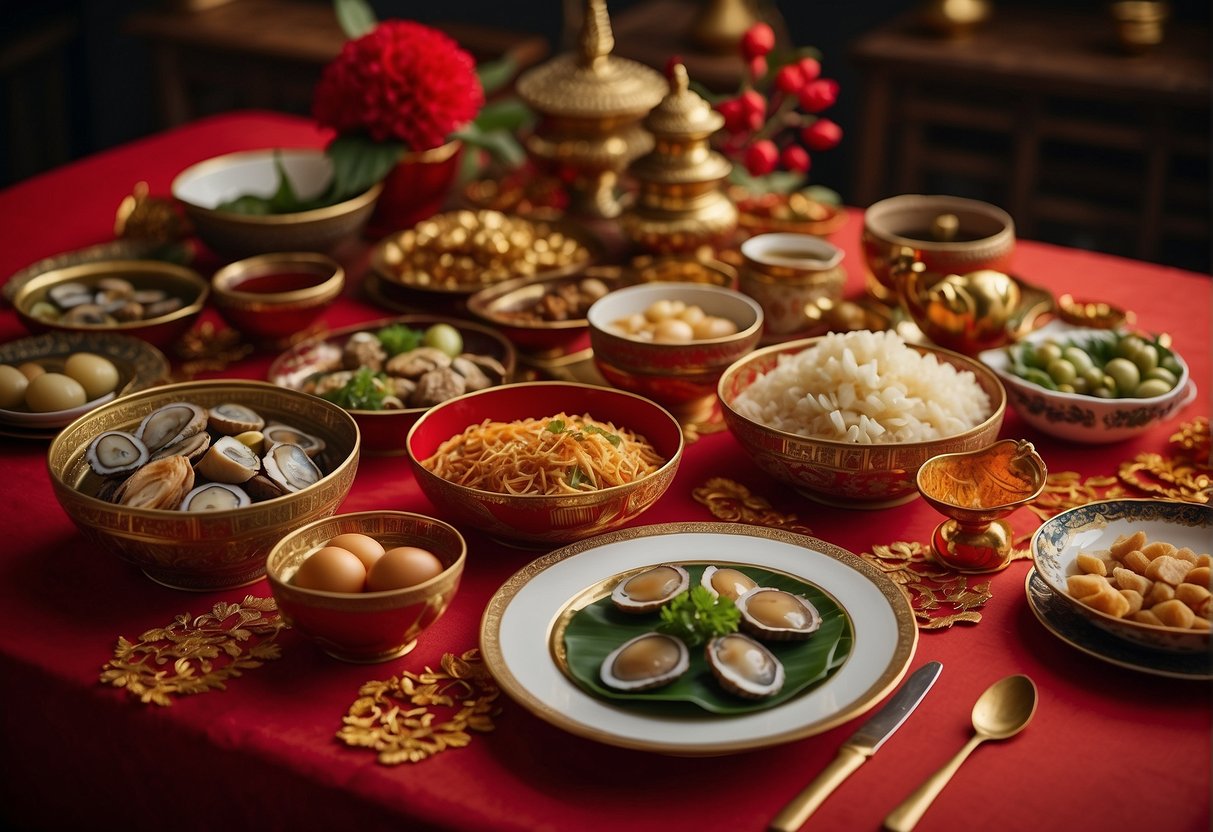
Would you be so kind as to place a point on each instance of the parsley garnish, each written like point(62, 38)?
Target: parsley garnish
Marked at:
point(697, 615)
point(364, 391)
point(398, 338)
point(558, 426)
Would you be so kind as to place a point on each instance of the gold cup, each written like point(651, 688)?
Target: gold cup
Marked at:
point(789, 274)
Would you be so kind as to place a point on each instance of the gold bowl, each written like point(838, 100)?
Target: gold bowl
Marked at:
point(846, 474)
point(178, 283)
point(202, 550)
point(537, 520)
point(792, 276)
point(369, 626)
point(202, 187)
point(680, 376)
point(274, 298)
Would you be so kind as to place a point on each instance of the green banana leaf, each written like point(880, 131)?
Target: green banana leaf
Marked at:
point(597, 629)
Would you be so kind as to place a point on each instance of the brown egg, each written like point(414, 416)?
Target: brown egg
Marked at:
point(12, 387)
point(402, 567)
point(96, 374)
point(54, 391)
point(331, 569)
point(366, 548)
point(31, 370)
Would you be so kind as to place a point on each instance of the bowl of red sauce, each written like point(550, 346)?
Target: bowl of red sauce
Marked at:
point(274, 299)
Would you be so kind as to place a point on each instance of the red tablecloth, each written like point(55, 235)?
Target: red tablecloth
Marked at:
point(1109, 749)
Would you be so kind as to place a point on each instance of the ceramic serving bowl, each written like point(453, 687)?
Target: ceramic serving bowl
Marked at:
point(846, 474)
point(983, 238)
point(791, 276)
point(383, 431)
point(1093, 528)
point(680, 376)
point(203, 550)
point(1082, 418)
point(535, 520)
point(274, 298)
point(367, 626)
point(203, 187)
point(180, 292)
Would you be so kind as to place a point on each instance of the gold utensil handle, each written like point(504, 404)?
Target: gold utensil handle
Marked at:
point(792, 816)
point(911, 810)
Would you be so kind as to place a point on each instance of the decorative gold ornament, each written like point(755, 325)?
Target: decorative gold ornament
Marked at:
point(1193, 439)
point(141, 216)
point(1174, 478)
point(1069, 489)
point(205, 348)
point(731, 501)
point(196, 655)
point(938, 596)
point(382, 719)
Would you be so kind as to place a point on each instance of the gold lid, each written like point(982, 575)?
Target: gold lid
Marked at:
point(592, 82)
point(683, 113)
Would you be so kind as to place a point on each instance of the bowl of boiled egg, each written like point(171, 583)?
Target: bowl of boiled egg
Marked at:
point(364, 586)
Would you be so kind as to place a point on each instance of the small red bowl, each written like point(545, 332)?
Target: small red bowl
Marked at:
point(537, 520)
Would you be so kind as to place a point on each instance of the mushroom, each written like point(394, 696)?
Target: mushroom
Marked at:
point(437, 386)
point(418, 362)
point(363, 350)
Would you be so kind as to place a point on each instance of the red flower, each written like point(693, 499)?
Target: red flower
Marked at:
point(822, 134)
point(402, 81)
point(819, 95)
point(795, 158)
point(761, 157)
point(757, 42)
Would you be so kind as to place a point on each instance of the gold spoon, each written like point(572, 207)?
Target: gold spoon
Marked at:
point(1005, 709)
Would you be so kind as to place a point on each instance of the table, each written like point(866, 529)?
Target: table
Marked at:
point(1109, 748)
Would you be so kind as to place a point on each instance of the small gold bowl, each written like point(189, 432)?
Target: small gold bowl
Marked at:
point(679, 376)
point(178, 283)
point(274, 298)
point(207, 550)
point(202, 187)
point(369, 626)
point(846, 474)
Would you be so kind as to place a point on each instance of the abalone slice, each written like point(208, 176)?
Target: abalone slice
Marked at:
point(646, 661)
point(230, 419)
point(68, 295)
point(215, 496)
point(229, 461)
point(191, 447)
point(88, 314)
point(290, 467)
point(776, 615)
point(170, 424)
point(727, 581)
point(116, 452)
point(160, 484)
point(278, 433)
point(648, 590)
point(744, 667)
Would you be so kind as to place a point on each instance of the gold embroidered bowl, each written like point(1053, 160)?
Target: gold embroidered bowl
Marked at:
point(184, 295)
point(680, 376)
point(1092, 529)
point(367, 626)
point(846, 474)
point(273, 299)
point(538, 520)
point(203, 187)
point(203, 550)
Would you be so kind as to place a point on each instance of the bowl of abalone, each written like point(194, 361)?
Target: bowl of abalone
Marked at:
point(195, 482)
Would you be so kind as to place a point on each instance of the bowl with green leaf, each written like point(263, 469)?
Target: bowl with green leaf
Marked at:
point(275, 199)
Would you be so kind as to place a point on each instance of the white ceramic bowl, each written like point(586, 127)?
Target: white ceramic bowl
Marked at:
point(1093, 528)
point(1081, 418)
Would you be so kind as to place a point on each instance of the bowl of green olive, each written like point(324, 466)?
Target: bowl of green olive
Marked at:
point(1092, 385)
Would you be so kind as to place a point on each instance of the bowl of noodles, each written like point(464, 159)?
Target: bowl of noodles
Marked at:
point(544, 463)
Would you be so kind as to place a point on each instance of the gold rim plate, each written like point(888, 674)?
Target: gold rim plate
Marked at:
point(517, 628)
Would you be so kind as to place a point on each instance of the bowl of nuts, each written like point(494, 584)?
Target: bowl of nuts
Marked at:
point(1138, 569)
point(544, 316)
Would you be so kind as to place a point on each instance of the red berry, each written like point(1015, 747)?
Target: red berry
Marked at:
point(789, 79)
point(811, 68)
point(822, 134)
point(758, 41)
point(795, 157)
point(818, 95)
point(761, 157)
point(735, 115)
point(758, 68)
point(754, 108)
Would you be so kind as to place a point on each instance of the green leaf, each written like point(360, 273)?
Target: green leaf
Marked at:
point(398, 338)
point(605, 434)
point(599, 628)
point(781, 181)
point(696, 616)
point(576, 477)
point(364, 391)
point(359, 162)
point(555, 426)
point(356, 17)
point(507, 114)
point(500, 144)
point(494, 75)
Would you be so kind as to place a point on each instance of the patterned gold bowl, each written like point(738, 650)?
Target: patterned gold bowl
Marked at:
point(368, 626)
point(846, 474)
point(203, 550)
point(273, 299)
point(680, 376)
point(536, 520)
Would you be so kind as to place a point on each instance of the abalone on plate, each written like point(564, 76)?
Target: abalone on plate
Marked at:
point(744, 667)
point(726, 581)
point(647, 661)
point(649, 590)
point(777, 615)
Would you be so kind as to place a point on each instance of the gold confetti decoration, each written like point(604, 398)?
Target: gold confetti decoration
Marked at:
point(196, 655)
point(205, 348)
point(1185, 473)
point(732, 502)
point(1068, 489)
point(394, 719)
point(939, 597)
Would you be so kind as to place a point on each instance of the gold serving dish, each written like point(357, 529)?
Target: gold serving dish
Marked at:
point(203, 550)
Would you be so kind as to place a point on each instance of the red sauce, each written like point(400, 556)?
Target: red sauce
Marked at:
point(269, 284)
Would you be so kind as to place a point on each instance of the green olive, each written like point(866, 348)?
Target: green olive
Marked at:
point(1103, 393)
point(1078, 357)
point(1150, 388)
point(1128, 345)
point(1145, 358)
point(1094, 376)
point(1080, 385)
point(444, 337)
point(1046, 351)
point(1039, 377)
point(1125, 373)
point(1170, 362)
point(1162, 374)
point(1062, 371)
point(1065, 388)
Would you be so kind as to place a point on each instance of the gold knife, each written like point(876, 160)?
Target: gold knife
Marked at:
point(863, 744)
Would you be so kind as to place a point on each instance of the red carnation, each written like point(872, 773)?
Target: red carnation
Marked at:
point(757, 41)
point(822, 134)
point(402, 81)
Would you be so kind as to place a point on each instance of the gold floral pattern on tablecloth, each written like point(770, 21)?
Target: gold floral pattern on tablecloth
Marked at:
point(939, 596)
point(1184, 473)
point(394, 717)
point(734, 503)
point(196, 655)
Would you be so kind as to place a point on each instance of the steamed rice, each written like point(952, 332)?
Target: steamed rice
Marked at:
point(868, 388)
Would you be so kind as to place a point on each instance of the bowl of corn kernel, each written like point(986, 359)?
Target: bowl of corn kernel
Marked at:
point(1138, 569)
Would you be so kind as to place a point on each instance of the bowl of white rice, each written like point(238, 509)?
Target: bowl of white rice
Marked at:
point(848, 418)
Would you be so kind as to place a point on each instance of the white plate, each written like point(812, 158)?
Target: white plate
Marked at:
point(517, 625)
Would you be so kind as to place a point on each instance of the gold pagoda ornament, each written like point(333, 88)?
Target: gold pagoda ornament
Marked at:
point(681, 205)
point(590, 104)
